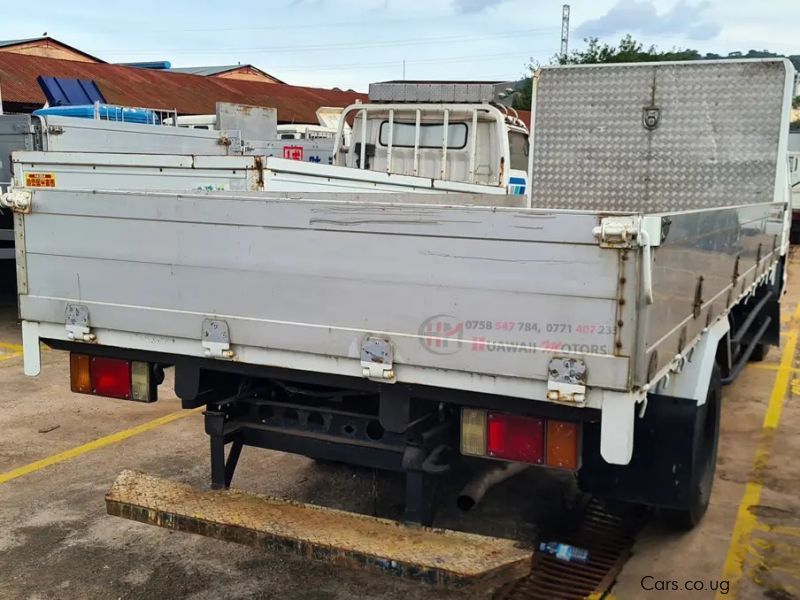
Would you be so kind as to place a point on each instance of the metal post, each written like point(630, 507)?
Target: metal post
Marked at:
point(363, 137)
point(473, 145)
point(391, 139)
point(531, 138)
point(564, 31)
point(445, 131)
point(416, 141)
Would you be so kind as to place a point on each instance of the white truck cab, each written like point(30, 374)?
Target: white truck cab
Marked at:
point(442, 131)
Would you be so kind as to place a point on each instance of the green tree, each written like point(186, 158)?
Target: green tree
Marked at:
point(628, 50)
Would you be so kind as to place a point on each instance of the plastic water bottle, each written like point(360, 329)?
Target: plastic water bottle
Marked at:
point(565, 552)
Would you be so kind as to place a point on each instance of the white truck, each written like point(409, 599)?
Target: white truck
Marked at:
point(794, 180)
point(240, 148)
point(585, 325)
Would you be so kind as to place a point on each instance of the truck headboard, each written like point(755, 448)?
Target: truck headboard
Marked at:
point(657, 137)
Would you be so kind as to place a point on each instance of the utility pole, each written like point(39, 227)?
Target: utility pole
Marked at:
point(564, 31)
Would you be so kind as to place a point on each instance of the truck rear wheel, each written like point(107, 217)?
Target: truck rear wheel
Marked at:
point(759, 352)
point(704, 453)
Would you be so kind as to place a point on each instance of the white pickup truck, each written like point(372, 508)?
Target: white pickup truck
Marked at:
point(587, 326)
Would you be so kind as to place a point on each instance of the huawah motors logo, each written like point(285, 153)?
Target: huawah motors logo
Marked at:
point(442, 334)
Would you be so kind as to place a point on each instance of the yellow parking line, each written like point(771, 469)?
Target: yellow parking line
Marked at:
point(96, 444)
point(745, 520)
point(14, 347)
point(769, 367)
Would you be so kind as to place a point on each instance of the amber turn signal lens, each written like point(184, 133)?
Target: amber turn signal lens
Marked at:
point(563, 445)
point(79, 377)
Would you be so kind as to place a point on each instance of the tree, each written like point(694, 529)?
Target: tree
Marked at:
point(629, 50)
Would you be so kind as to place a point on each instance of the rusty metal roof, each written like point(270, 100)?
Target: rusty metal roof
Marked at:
point(189, 94)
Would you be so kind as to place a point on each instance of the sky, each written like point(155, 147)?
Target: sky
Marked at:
point(349, 43)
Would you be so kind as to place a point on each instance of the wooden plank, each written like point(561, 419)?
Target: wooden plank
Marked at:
point(439, 557)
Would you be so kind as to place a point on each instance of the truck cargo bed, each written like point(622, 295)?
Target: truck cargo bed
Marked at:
point(469, 298)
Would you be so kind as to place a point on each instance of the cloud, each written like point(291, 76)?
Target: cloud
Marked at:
point(640, 16)
point(474, 6)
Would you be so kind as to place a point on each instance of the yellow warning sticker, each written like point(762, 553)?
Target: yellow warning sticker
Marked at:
point(40, 180)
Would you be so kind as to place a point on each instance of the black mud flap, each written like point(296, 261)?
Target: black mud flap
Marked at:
point(660, 471)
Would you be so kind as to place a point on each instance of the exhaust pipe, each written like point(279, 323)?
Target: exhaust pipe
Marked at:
point(475, 490)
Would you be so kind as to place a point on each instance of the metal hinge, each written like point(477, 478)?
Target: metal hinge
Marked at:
point(19, 201)
point(76, 322)
point(617, 232)
point(232, 139)
point(216, 339)
point(377, 360)
point(630, 232)
point(566, 380)
point(55, 129)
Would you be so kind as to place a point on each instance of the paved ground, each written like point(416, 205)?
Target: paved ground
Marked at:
point(57, 542)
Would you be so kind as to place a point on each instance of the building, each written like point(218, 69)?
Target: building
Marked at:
point(47, 47)
point(164, 88)
point(243, 72)
point(238, 71)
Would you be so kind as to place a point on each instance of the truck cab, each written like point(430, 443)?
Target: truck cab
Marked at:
point(442, 131)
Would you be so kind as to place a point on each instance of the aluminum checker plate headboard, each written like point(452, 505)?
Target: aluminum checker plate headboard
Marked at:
point(715, 141)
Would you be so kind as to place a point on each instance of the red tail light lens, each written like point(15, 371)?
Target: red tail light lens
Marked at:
point(111, 377)
point(514, 437)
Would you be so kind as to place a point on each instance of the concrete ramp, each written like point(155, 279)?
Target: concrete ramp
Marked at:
point(439, 557)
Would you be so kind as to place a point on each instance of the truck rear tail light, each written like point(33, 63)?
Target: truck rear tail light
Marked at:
point(80, 380)
point(520, 438)
point(473, 432)
point(111, 377)
point(563, 444)
point(514, 437)
point(140, 381)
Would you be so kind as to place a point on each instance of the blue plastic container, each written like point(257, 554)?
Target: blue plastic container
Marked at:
point(107, 112)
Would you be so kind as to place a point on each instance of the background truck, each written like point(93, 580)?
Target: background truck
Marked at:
point(413, 136)
point(794, 177)
point(588, 328)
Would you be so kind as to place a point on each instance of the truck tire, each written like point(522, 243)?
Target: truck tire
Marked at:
point(759, 353)
point(704, 452)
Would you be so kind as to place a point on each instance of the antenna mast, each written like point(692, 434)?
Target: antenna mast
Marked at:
point(564, 31)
